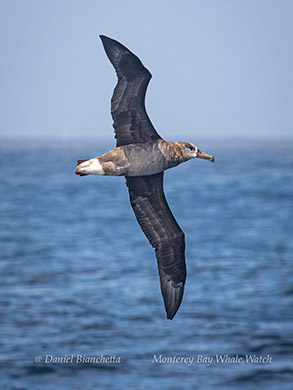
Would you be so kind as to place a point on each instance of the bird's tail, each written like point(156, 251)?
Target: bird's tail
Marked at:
point(80, 161)
point(89, 167)
point(79, 171)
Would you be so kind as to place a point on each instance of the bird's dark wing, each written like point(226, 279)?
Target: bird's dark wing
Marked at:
point(163, 232)
point(131, 122)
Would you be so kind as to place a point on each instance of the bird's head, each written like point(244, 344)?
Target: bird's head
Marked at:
point(189, 151)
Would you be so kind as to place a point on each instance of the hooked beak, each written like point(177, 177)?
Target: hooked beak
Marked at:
point(205, 156)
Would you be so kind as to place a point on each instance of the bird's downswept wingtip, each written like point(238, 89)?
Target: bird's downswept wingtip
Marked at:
point(172, 311)
point(172, 297)
point(170, 316)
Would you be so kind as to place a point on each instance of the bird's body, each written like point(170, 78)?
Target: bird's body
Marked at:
point(142, 156)
point(140, 159)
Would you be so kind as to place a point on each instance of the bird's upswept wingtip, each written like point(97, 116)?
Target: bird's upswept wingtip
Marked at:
point(109, 40)
point(106, 40)
point(103, 36)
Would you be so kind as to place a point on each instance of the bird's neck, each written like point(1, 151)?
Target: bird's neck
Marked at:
point(172, 152)
point(176, 149)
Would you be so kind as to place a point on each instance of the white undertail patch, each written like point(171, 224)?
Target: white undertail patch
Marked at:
point(90, 167)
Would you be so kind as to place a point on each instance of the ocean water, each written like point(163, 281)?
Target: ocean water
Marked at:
point(79, 279)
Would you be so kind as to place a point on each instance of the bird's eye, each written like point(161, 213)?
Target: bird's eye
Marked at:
point(189, 147)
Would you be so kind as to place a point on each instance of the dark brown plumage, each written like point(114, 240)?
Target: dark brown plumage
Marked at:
point(142, 156)
point(131, 122)
point(164, 234)
point(132, 125)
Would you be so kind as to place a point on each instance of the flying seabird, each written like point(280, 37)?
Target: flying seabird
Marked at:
point(142, 156)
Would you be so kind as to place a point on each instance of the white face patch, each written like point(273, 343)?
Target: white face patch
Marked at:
point(191, 153)
point(91, 167)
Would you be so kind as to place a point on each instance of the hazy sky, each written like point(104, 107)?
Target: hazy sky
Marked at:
point(220, 67)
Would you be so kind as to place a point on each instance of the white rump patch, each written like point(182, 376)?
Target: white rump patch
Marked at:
point(90, 167)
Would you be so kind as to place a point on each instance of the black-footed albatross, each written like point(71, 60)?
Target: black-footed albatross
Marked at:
point(142, 156)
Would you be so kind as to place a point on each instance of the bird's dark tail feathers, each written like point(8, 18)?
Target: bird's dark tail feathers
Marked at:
point(78, 171)
point(80, 161)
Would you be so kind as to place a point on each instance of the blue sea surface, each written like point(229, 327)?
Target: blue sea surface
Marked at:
point(79, 278)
